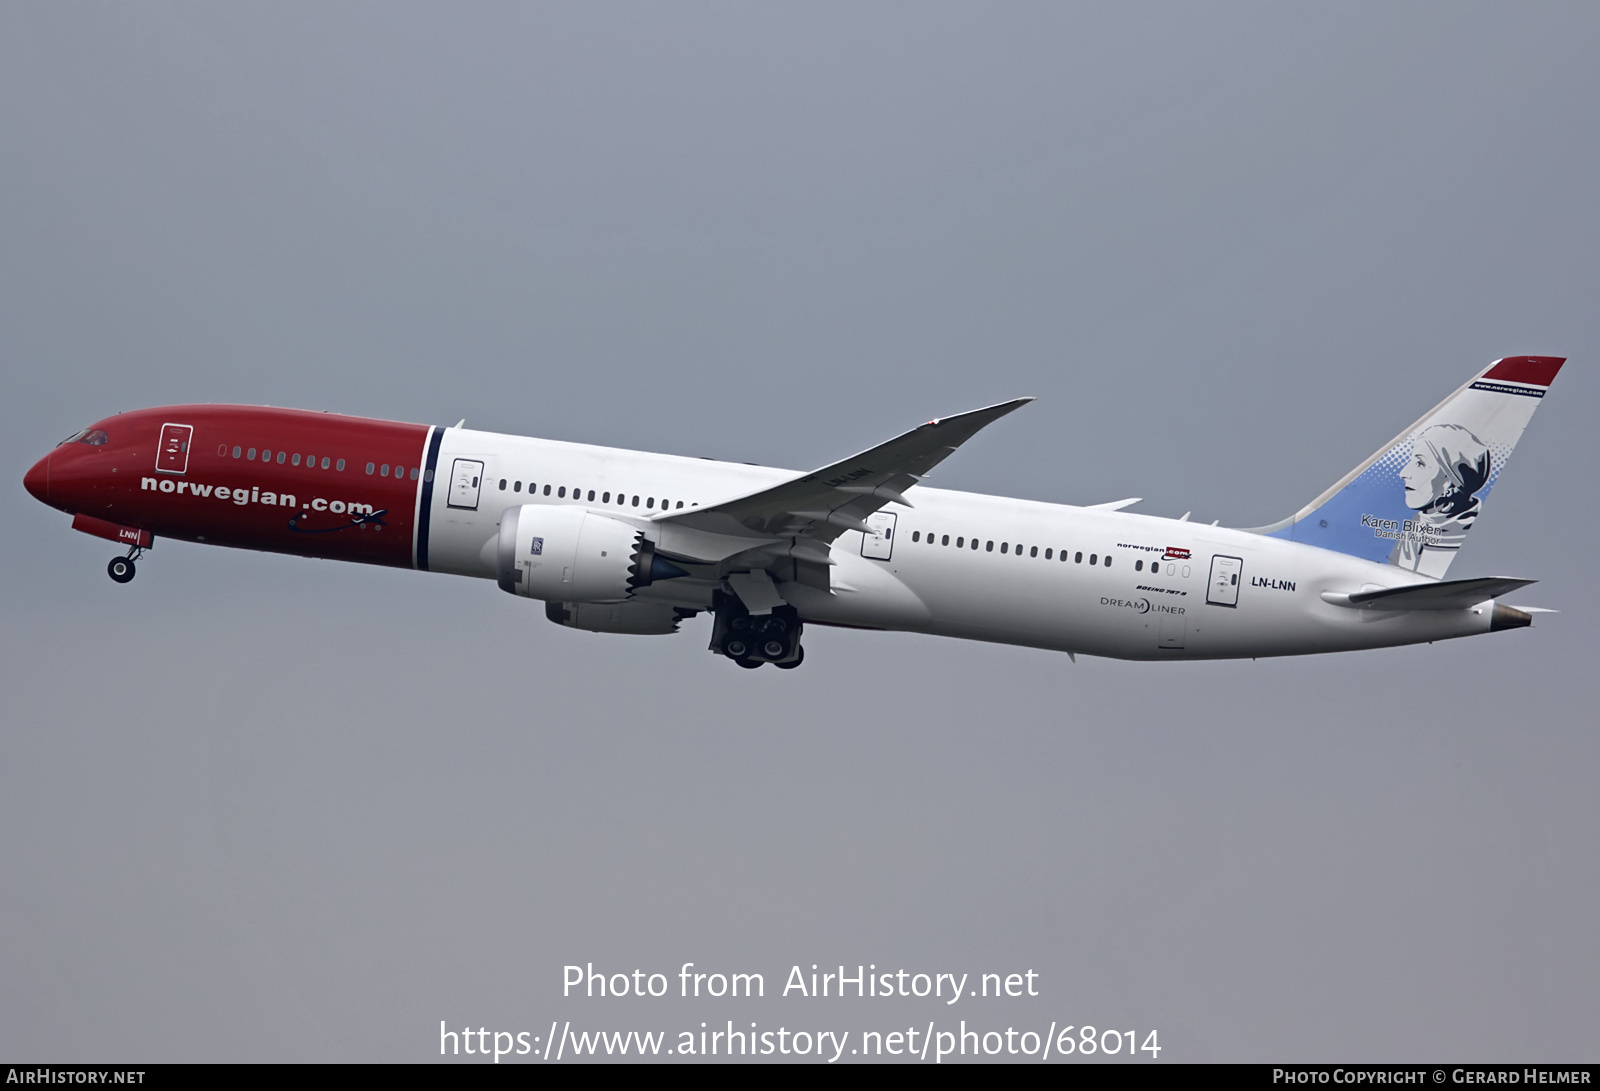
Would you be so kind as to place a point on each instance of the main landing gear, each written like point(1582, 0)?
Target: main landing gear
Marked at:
point(753, 639)
point(121, 569)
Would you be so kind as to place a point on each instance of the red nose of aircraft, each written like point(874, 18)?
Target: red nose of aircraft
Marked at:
point(37, 480)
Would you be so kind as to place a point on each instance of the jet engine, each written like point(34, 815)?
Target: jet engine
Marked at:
point(568, 554)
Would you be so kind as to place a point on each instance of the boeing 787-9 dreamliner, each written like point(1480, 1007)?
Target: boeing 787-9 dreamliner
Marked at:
point(618, 541)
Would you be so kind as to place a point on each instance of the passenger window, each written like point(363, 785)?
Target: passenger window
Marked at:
point(1078, 559)
point(250, 455)
point(547, 490)
point(502, 484)
point(516, 486)
point(989, 548)
point(945, 540)
point(635, 501)
point(916, 535)
point(371, 467)
point(339, 466)
point(1049, 554)
point(1108, 560)
point(222, 450)
point(605, 498)
point(680, 504)
point(1093, 559)
point(591, 494)
point(295, 460)
point(1034, 552)
point(325, 461)
point(281, 455)
point(1138, 566)
point(414, 474)
point(266, 455)
point(1002, 547)
point(650, 503)
point(237, 451)
point(562, 492)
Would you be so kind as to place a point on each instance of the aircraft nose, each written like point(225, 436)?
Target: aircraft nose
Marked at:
point(37, 480)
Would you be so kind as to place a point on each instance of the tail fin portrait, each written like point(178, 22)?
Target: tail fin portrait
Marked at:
point(1412, 503)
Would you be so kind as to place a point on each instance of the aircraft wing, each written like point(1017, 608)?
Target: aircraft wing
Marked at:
point(825, 503)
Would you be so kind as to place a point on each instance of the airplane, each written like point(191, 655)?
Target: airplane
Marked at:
point(619, 541)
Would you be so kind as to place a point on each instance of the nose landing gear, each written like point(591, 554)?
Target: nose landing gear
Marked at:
point(753, 639)
point(122, 569)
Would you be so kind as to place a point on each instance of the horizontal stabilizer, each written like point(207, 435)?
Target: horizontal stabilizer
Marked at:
point(1447, 595)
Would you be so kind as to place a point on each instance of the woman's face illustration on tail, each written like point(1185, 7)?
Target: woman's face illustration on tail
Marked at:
point(1425, 480)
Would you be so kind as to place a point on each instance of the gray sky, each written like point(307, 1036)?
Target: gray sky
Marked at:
point(254, 807)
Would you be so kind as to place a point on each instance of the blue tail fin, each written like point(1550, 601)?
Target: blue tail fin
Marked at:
point(1414, 500)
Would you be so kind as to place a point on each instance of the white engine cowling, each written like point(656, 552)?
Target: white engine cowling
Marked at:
point(563, 554)
point(566, 554)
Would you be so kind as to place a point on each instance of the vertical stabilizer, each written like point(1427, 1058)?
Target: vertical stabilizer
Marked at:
point(1412, 503)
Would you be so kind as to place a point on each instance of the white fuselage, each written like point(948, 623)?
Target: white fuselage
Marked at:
point(1038, 575)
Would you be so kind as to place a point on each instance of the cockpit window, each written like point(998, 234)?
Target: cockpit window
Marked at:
point(94, 437)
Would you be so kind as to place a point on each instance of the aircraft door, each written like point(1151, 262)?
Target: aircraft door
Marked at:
point(879, 545)
point(1223, 590)
point(466, 479)
point(172, 455)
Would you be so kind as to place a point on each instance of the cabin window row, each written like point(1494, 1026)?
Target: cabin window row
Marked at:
point(1075, 556)
point(383, 470)
point(560, 493)
point(1014, 548)
point(295, 458)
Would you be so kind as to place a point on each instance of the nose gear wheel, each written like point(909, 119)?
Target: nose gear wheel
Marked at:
point(122, 569)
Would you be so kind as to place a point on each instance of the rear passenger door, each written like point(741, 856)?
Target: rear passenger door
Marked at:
point(1223, 589)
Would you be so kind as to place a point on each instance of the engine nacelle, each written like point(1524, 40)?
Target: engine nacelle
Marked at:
point(638, 618)
point(569, 554)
